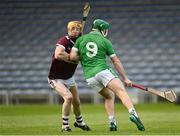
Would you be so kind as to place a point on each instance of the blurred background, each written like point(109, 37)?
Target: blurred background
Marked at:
point(144, 33)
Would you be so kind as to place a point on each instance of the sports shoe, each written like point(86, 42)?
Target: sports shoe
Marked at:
point(137, 121)
point(66, 129)
point(112, 127)
point(84, 127)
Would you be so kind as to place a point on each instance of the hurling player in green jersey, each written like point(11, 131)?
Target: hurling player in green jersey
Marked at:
point(91, 50)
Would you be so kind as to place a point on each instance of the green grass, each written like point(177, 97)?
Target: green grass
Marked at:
point(159, 119)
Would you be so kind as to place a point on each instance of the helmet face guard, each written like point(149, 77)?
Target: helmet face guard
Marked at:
point(101, 25)
point(74, 25)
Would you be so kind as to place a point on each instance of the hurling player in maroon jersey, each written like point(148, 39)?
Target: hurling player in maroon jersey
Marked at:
point(61, 76)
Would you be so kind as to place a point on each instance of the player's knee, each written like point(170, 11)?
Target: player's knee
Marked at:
point(68, 99)
point(110, 96)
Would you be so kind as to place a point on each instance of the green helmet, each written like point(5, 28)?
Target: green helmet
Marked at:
point(100, 25)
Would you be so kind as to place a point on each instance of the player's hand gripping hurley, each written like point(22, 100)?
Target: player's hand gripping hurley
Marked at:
point(168, 95)
point(86, 10)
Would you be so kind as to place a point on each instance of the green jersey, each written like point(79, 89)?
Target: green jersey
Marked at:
point(93, 49)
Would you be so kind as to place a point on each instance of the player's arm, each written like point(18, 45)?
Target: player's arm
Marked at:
point(74, 56)
point(61, 54)
point(116, 62)
point(119, 67)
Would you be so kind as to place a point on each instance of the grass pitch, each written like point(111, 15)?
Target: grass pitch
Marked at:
point(159, 119)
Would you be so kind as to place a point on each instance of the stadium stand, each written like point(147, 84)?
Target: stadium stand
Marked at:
point(145, 35)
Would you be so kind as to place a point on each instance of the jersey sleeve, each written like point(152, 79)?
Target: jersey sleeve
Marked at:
point(62, 42)
point(109, 49)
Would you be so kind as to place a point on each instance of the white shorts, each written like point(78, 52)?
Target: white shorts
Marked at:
point(101, 79)
point(68, 82)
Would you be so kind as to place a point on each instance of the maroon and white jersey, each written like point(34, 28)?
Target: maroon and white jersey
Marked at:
point(60, 69)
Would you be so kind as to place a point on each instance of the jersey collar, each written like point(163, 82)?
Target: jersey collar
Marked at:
point(95, 32)
point(72, 40)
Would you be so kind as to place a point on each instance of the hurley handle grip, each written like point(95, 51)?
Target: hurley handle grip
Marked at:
point(139, 86)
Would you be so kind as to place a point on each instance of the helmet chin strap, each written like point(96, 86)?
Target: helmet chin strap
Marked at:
point(104, 32)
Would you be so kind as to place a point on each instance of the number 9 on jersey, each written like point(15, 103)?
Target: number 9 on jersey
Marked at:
point(92, 49)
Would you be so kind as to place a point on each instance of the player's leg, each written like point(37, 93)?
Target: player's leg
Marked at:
point(66, 107)
point(76, 109)
point(109, 100)
point(109, 106)
point(108, 96)
point(75, 100)
point(118, 88)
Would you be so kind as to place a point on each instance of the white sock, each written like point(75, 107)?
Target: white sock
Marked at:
point(65, 122)
point(133, 111)
point(112, 119)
